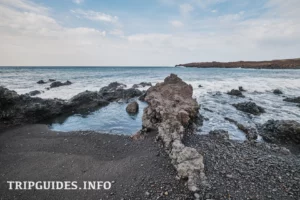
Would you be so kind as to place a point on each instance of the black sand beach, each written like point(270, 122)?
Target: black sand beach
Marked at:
point(139, 169)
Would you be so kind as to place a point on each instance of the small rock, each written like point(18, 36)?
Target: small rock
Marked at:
point(277, 91)
point(41, 82)
point(237, 93)
point(132, 108)
point(35, 92)
point(147, 193)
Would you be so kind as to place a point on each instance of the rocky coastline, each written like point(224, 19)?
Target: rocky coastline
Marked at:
point(273, 64)
point(164, 160)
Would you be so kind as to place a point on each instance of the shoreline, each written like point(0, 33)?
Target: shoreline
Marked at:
point(164, 160)
point(273, 64)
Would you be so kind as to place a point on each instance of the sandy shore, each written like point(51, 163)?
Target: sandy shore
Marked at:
point(139, 169)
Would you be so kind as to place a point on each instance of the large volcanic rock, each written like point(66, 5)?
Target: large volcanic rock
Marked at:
point(115, 91)
point(281, 131)
point(249, 107)
point(19, 109)
point(173, 112)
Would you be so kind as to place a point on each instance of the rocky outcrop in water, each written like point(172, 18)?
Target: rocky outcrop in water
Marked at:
point(115, 91)
point(142, 84)
point(173, 112)
point(277, 91)
point(249, 107)
point(281, 131)
point(292, 100)
point(34, 93)
point(241, 89)
point(59, 84)
point(41, 82)
point(132, 108)
point(18, 109)
point(237, 93)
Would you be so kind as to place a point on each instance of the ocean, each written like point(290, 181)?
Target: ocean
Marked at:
point(212, 96)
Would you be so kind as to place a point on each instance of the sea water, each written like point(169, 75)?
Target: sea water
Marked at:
point(215, 82)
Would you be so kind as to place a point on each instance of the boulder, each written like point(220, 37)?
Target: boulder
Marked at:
point(200, 86)
point(51, 80)
point(142, 84)
point(59, 84)
point(281, 131)
point(220, 134)
point(292, 100)
point(132, 108)
point(277, 91)
point(41, 82)
point(249, 107)
point(173, 112)
point(237, 93)
point(34, 93)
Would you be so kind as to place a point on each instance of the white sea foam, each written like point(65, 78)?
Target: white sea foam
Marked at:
point(258, 83)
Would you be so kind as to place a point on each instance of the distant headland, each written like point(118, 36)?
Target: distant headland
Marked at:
point(273, 64)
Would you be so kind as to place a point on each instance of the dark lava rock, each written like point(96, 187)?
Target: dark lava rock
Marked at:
point(88, 100)
point(200, 86)
point(241, 89)
point(222, 134)
point(132, 108)
point(41, 82)
point(277, 91)
point(281, 131)
point(249, 107)
point(142, 84)
point(237, 93)
point(142, 97)
point(51, 80)
point(35, 92)
point(115, 91)
point(59, 84)
point(292, 100)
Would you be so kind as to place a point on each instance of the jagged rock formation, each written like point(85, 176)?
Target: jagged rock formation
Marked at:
point(281, 131)
point(18, 109)
point(173, 112)
point(249, 107)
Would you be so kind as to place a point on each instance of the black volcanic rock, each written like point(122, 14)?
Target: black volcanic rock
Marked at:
point(34, 93)
point(41, 82)
point(292, 100)
point(277, 91)
point(237, 93)
point(281, 131)
point(59, 84)
point(249, 107)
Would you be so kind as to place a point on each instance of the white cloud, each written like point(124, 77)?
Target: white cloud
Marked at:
point(214, 11)
point(95, 16)
point(176, 24)
point(185, 9)
point(29, 35)
point(78, 1)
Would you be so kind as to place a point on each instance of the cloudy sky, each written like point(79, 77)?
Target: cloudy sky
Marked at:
point(146, 32)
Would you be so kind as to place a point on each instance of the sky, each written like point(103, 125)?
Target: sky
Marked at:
point(146, 32)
